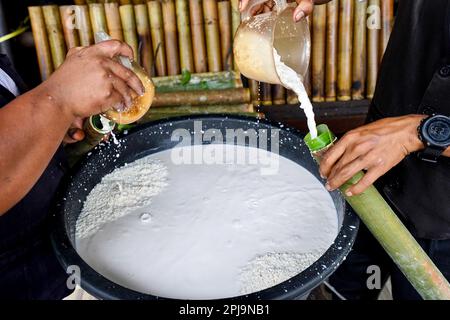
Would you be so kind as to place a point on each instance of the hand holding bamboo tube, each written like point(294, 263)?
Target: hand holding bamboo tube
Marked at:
point(41, 42)
point(157, 32)
point(198, 35)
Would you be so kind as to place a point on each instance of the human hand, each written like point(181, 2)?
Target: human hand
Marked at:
point(75, 132)
point(304, 8)
point(376, 148)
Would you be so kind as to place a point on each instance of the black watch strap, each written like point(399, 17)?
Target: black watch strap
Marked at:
point(431, 154)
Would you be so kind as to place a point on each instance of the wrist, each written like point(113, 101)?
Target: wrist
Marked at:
point(415, 143)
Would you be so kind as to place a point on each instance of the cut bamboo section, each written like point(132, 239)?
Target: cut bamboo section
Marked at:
point(307, 80)
point(198, 35)
point(98, 18)
point(184, 35)
point(113, 20)
point(318, 53)
point(145, 39)
point(68, 16)
point(157, 32)
point(199, 81)
point(160, 116)
point(278, 95)
point(373, 42)
point(194, 109)
point(331, 50)
point(202, 97)
point(225, 34)
point(387, 21)
point(212, 35)
point(235, 21)
point(43, 52)
point(170, 33)
point(55, 34)
point(129, 28)
point(345, 50)
point(254, 87)
point(359, 56)
point(265, 90)
point(84, 26)
point(292, 98)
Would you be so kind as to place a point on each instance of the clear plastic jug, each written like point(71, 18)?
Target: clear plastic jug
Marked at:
point(258, 35)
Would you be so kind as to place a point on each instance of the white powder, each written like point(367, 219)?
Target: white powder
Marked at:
point(291, 80)
point(205, 231)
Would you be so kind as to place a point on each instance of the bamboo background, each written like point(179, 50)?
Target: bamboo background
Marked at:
point(173, 36)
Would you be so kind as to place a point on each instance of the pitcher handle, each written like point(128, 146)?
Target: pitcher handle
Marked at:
point(247, 13)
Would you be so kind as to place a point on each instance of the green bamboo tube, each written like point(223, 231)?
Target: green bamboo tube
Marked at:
point(43, 52)
point(84, 26)
point(55, 34)
point(359, 70)
point(373, 43)
point(345, 50)
point(69, 26)
point(157, 32)
point(210, 12)
point(265, 90)
point(224, 10)
point(235, 21)
point(278, 95)
point(129, 28)
point(170, 35)
point(291, 98)
point(387, 21)
point(331, 50)
point(319, 19)
point(145, 39)
point(387, 228)
point(198, 35)
point(202, 97)
point(184, 35)
point(198, 81)
point(98, 18)
point(254, 87)
point(113, 21)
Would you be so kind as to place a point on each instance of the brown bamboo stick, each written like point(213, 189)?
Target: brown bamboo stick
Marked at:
point(84, 26)
point(55, 34)
point(219, 108)
point(254, 88)
point(123, 2)
point(198, 35)
point(157, 33)
point(265, 90)
point(129, 28)
point(43, 52)
point(79, 2)
point(387, 21)
point(224, 10)
point(318, 53)
point(373, 43)
point(345, 50)
point(98, 18)
point(359, 70)
point(235, 21)
point(291, 98)
point(138, 2)
point(210, 13)
point(68, 21)
point(184, 35)
point(331, 50)
point(170, 34)
point(278, 95)
point(307, 80)
point(113, 20)
point(145, 39)
point(202, 97)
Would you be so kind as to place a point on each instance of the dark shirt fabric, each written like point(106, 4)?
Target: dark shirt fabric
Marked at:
point(28, 267)
point(415, 79)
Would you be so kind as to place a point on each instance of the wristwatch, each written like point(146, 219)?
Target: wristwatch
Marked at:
point(434, 132)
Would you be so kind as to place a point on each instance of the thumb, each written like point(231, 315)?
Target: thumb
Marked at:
point(304, 8)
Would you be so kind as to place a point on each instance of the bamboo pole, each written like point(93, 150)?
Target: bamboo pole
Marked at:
point(265, 90)
point(292, 98)
point(373, 42)
point(212, 35)
point(318, 53)
point(123, 2)
point(219, 108)
point(184, 35)
point(278, 95)
point(331, 50)
point(157, 32)
point(202, 97)
point(224, 10)
point(235, 21)
point(307, 80)
point(254, 87)
point(129, 28)
point(113, 21)
point(79, 2)
point(43, 52)
point(198, 35)
point(345, 50)
point(387, 18)
point(55, 34)
point(145, 40)
point(84, 26)
point(359, 71)
point(170, 33)
point(98, 18)
point(68, 21)
point(199, 81)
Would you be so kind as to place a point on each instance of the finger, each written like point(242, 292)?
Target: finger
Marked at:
point(113, 48)
point(344, 173)
point(369, 178)
point(331, 157)
point(74, 135)
point(304, 8)
point(128, 76)
point(243, 4)
point(77, 123)
point(126, 92)
point(113, 100)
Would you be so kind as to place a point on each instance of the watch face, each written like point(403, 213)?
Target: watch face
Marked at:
point(437, 131)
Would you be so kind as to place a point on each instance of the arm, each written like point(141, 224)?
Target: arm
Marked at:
point(34, 125)
point(377, 148)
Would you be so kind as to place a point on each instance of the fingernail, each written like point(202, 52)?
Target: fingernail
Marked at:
point(141, 93)
point(349, 194)
point(120, 107)
point(322, 176)
point(240, 4)
point(299, 16)
point(328, 187)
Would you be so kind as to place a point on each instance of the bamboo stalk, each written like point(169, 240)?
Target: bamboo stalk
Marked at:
point(224, 10)
point(160, 116)
point(198, 35)
point(387, 18)
point(345, 50)
point(307, 80)
point(202, 97)
point(199, 81)
point(235, 21)
point(68, 21)
point(318, 53)
point(145, 40)
point(43, 52)
point(157, 32)
point(98, 18)
point(212, 35)
point(170, 34)
point(359, 71)
point(129, 28)
point(387, 228)
point(113, 20)
point(138, 2)
point(292, 98)
point(55, 34)
point(331, 50)
point(278, 95)
point(220, 108)
point(123, 2)
point(254, 87)
point(373, 42)
point(265, 90)
point(84, 26)
point(79, 2)
point(184, 35)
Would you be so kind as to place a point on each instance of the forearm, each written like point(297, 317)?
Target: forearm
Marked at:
point(31, 130)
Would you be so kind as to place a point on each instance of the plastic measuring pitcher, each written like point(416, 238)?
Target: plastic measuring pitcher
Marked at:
point(258, 35)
